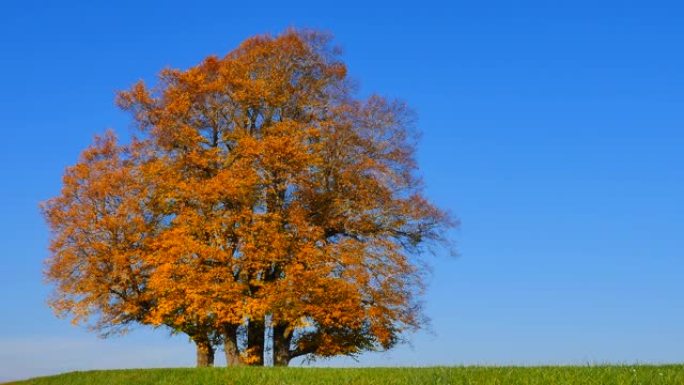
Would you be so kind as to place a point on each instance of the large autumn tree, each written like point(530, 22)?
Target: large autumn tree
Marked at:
point(259, 198)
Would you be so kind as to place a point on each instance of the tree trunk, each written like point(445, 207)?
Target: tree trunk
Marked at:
point(230, 346)
point(255, 342)
point(205, 352)
point(281, 345)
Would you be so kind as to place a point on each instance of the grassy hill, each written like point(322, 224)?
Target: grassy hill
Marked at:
point(562, 375)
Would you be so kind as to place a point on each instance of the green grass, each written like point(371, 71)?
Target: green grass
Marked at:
point(561, 375)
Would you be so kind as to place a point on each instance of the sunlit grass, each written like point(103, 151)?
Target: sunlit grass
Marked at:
point(471, 375)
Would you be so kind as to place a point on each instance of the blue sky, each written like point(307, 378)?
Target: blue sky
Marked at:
point(553, 130)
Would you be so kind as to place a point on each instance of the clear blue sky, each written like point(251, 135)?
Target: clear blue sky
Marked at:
point(553, 130)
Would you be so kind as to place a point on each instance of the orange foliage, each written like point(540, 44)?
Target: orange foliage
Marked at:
point(261, 192)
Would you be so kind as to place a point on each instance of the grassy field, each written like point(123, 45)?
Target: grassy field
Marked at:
point(563, 375)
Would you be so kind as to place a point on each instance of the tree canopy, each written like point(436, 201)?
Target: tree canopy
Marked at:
point(260, 197)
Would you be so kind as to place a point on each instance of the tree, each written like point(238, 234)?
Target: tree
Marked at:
point(261, 195)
